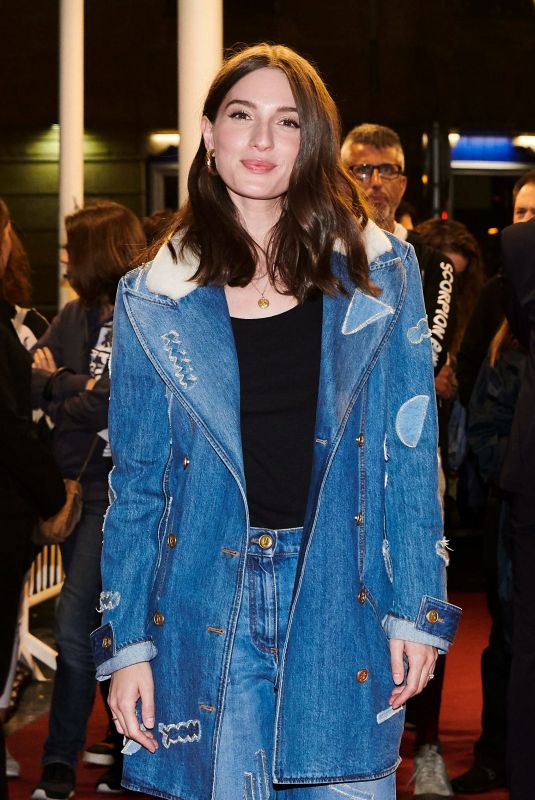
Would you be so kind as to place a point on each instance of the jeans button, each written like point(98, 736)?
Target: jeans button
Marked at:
point(265, 541)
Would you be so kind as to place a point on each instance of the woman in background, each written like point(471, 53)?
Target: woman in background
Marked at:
point(71, 384)
point(30, 482)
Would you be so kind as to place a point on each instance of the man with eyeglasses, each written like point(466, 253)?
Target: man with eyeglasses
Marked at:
point(374, 156)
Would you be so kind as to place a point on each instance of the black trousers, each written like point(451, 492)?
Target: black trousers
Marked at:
point(15, 557)
point(521, 728)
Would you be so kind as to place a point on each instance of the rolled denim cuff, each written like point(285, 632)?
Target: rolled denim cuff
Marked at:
point(108, 659)
point(396, 628)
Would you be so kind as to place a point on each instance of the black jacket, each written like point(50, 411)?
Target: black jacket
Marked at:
point(487, 316)
point(78, 415)
point(518, 249)
point(30, 482)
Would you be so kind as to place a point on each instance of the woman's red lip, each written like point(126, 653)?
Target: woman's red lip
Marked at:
point(258, 166)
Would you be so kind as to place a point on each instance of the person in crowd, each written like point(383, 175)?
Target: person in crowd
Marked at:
point(488, 313)
point(265, 356)
point(31, 485)
point(490, 416)
point(518, 479)
point(29, 325)
point(374, 156)
point(71, 384)
point(497, 383)
point(460, 247)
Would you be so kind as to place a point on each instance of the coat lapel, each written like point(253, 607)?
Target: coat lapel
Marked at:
point(191, 344)
point(353, 331)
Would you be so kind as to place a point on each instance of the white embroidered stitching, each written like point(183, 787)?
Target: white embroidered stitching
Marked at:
point(192, 726)
point(172, 344)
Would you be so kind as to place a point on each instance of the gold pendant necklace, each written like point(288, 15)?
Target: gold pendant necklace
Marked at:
point(262, 301)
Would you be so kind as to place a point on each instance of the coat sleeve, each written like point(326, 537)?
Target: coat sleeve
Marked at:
point(140, 443)
point(413, 513)
point(64, 385)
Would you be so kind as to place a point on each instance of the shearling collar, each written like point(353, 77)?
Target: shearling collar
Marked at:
point(173, 279)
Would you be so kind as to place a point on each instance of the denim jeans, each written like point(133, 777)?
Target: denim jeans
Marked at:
point(76, 617)
point(246, 744)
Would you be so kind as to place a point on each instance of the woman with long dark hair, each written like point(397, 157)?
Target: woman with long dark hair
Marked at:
point(273, 552)
point(71, 384)
point(30, 482)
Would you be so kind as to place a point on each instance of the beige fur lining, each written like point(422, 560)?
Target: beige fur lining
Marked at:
point(172, 279)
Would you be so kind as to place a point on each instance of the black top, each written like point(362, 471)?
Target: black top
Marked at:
point(30, 483)
point(279, 363)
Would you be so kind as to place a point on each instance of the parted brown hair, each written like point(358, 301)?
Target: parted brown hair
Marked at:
point(15, 286)
point(322, 203)
point(104, 240)
point(455, 237)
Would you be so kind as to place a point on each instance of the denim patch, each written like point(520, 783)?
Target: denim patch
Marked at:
point(362, 311)
point(172, 344)
point(180, 732)
point(419, 332)
point(410, 419)
point(108, 601)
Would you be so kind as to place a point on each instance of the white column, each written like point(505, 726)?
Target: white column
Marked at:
point(200, 53)
point(71, 121)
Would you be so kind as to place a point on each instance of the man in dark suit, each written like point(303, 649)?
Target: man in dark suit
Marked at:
point(518, 478)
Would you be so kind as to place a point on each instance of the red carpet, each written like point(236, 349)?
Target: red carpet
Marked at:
point(460, 720)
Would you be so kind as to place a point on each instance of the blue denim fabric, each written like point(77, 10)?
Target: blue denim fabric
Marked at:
point(76, 616)
point(177, 530)
point(244, 763)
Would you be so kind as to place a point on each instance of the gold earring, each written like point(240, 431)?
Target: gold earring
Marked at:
point(210, 162)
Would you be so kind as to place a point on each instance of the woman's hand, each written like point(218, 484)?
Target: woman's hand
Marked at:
point(421, 658)
point(43, 359)
point(127, 686)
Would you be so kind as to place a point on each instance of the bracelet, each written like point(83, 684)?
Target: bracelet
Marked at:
point(47, 391)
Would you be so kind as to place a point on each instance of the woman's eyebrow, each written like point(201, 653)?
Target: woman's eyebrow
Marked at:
point(248, 104)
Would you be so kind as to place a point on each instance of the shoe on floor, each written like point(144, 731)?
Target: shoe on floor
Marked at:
point(480, 778)
point(110, 782)
point(101, 753)
point(57, 783)
point(12, 766)
point(430, 777)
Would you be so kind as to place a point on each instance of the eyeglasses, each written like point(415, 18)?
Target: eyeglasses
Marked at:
point(364, 172)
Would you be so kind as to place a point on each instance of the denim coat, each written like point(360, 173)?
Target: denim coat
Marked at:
point(373, 560)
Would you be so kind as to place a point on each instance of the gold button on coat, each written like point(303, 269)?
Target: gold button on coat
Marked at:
point(158, 618)
point(359, 517)
point(171, 540)
point(265, 541)
point(106, 642)
point(362, 675)
point(360, 439)
point(432, 616)
point(361, 596)
point(185, 462)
